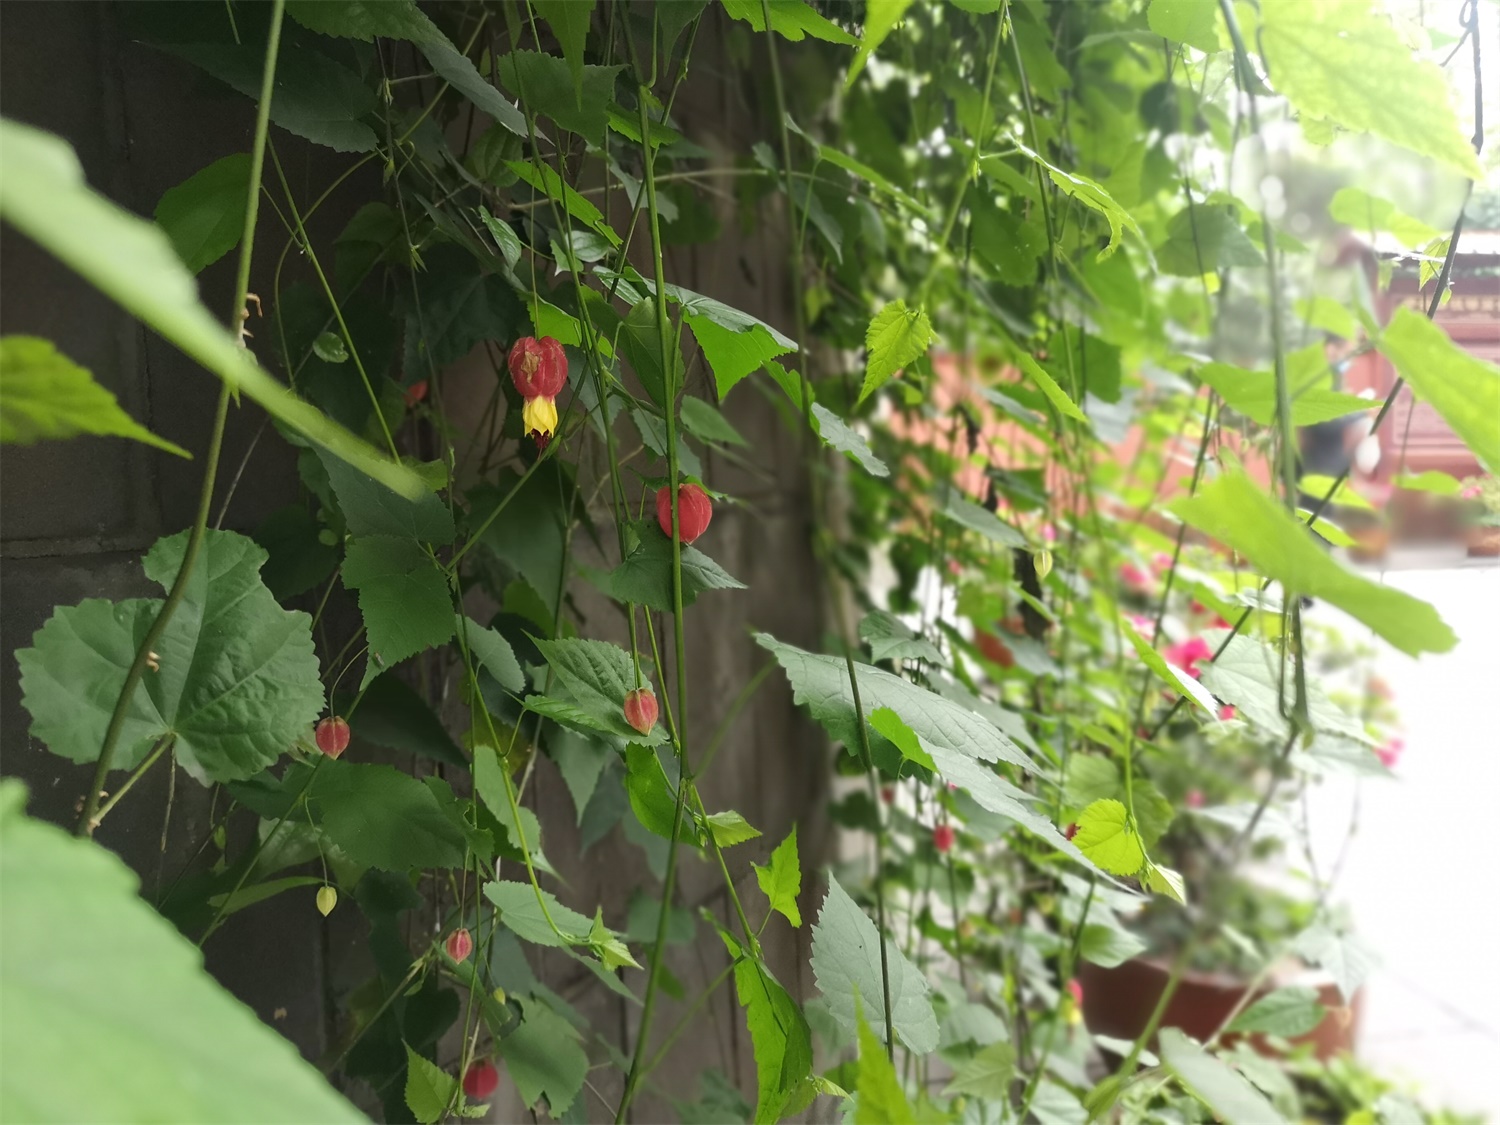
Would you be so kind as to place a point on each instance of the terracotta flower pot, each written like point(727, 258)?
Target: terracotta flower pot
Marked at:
point(1484, 542)
point(1117, 1002)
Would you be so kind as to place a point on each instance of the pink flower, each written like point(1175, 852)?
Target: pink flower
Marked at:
point(1075, 990)
point(1226, 712)
point(1143, 625)
point(1390, 753)
point(1135, 579)
point(1193, 798)
point(1161, 562)
point(1049, 533)
point(1469, 492)
point(1186, 654)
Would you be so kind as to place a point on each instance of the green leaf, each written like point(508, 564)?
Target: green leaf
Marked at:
point(204, 216)
point(550, 184)
point(403, 597)
point(598, 675)
point(653, 798)
point(730, 828)
point(779, 1035)
point(1091, 195)
point(401, 19)
point(1248, 675)
point(238, 682)
point(1239, 515)
point(543, 1058)
point(493, 653)
point(1194, 22)
point(1012, 245)
point(544, 84)
point(1090, 778)
point(164, 1042)
point(429, 1088)
point(707, 423)
point(846, 963)
point(640, 340)
point(569, 20)
point(837, 434)
point(258, 892)
point(781, 882)
point(393, 714)
point(1370, 214)
point(329, 347)
point(316, 98)
point(961, 510)
point(1165, 881)
point(370, 508)
point(45, 396)
point(886, 722)
point(1253, 394)
point(381, 817)
point(890, 639)
point(1108, 946)
point(1107, 838)
point(1343, 60)
point(881, 18)
point(1328, 315)
point(645, 577)
point(881, 1101)
point(1288, 1012)
point(521, 913)
point(735, 352)
point(1463, 388)
point(1178, 679)
point(791, 19)
point(821, 683)
point(1233, 1100)
point(1344, 496)
point(1347, 957)
point(1433, 481)
point(987, 1075)
point(1048, 386)
point(505, 237)
point(131, 261)
point(1204, 239)
point(896, 336)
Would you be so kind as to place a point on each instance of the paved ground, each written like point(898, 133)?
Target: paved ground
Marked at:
point(1423, 873)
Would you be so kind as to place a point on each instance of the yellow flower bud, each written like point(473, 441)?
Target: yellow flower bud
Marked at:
point(539, 417)
point(328, 898)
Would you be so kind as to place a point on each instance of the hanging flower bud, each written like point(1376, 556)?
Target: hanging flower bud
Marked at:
point(480, 1080)
point(942, 838)
point(1071, 830)
point(328, 898)
point(694, 510)
point(459, 945)
point(539, 420)
point(640, 709)
point(538, 368)
point(332, 736)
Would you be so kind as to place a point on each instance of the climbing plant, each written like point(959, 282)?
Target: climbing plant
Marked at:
point(1061, 685)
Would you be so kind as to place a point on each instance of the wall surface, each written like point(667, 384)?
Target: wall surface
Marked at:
point(75, 518)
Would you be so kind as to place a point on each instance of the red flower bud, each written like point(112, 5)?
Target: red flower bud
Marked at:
point(640, 709)
point(942, 838)
point(694, 510)
point(459, 945)
point(1071, 830)
point(415, 393)
point(480, 1080)
point(887, 794)
point(1075, 990)
point(332, 736)
point(538, 368)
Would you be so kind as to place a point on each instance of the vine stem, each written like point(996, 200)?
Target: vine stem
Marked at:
point(669, 368)
point(87, 817)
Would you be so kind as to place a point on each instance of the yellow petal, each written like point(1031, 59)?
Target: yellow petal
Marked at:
point(539, 416)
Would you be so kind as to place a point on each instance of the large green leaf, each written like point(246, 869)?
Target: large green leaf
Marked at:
point(1204, 239)
point(569, 20)
point(821, 683)
point(401, 19)
point(1239, 515)
point(1253, 394)
point(1343, 60)
point(493, 653)
point(237, 679)
point(204, 216)
point(1346, 956)
point(881, 18)
point(544, 1059)
point(393, 714)
point(645, 576)
point(846, 963)
point(1369, 214)
point(1287, 1012)
point(961, 510)
point(1107, 837)
point(545, 85)
point(370, 508)
point(896, 336)
point(1231, 1097)
point(1091, 195)
point(43, 195)
point(838, 434)
point(523, 915)
point(1248, 675)
point(891, 639)
point(598, 675)
point(779, 1035)
point(1169, 673)
point(791, 19)
point(92, 974)
point(987, 1075)
point(44, 396)
point(1463, 388)
point(1194, 22)
point(734, 353)
point(381, 817)
point(403, 597)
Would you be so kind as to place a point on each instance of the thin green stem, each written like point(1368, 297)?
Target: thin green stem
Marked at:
point(87, 817)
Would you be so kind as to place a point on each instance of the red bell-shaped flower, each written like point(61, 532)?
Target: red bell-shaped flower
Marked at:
point(480, 1080)
point(640, 709)
point(538, 368)
point(694, 510)
point(332, 736)
point(459, 945)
